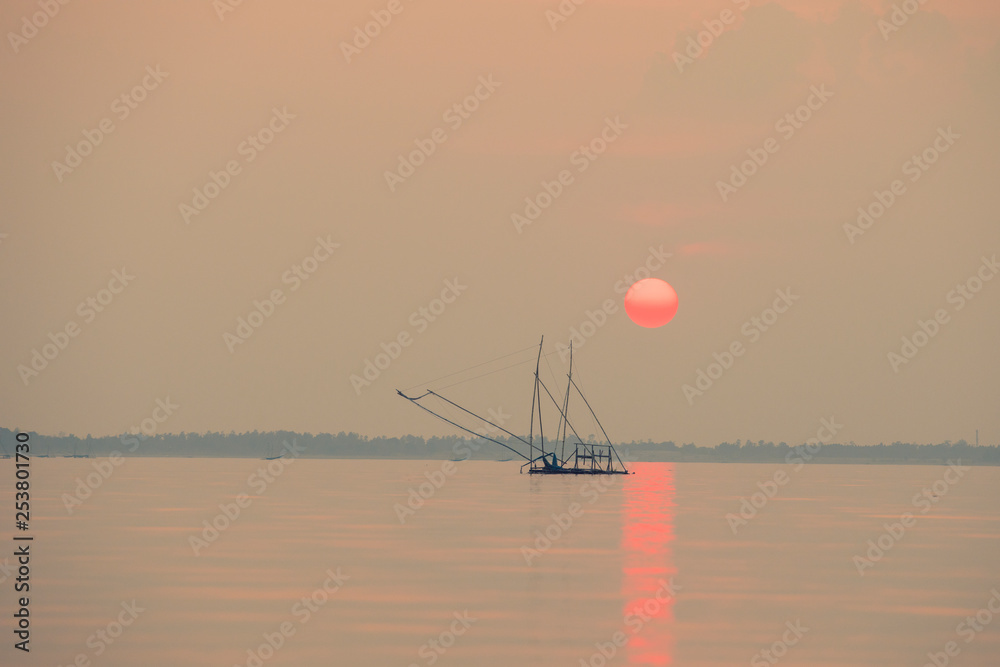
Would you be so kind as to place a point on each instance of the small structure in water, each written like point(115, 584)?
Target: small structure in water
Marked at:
point(542, 459)
point(75, 455)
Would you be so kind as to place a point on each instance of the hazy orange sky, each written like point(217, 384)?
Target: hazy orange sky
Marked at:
point(198, 81)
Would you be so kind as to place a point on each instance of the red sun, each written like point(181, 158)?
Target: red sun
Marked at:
point(651, 303)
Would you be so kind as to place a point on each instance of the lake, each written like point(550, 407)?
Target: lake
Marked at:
point(381, 563)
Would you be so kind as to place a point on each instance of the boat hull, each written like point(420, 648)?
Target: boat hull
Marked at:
point(575, 471)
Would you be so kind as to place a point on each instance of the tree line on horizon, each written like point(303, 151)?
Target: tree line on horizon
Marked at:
point(269, 444)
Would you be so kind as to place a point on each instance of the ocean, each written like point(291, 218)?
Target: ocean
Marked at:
point(197, 562)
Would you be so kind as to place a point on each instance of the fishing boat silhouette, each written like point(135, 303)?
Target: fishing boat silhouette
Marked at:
point(584, 458)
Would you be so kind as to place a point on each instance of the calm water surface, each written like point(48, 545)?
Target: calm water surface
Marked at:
point(604, 583)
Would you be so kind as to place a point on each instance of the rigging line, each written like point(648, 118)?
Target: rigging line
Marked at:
point(554, 379)
point(571, 427)
point(456, 416)
point(440, 406)
point(534, 395)
point(592, 411)
point(478, 417)
point(465, 429)
point(446, 409)
point(519, 363)
point(471, 367)
point(593, 415)
point(565, 408)
point(549, 366)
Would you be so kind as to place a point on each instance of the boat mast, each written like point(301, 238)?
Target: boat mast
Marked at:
point(565, 411)
point(534, 398)
point(538, 381)
point(593, 453)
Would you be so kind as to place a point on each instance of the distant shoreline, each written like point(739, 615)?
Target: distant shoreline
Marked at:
point(859, 461)
point(263, 445)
